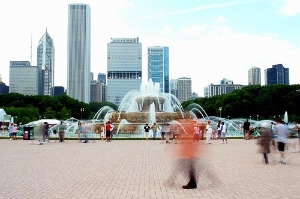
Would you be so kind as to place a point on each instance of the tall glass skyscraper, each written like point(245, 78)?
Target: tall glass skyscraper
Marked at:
point(277, 75)
point(158, 66)
point(124, 68)
point(254, 76)
point(79, 52)
point(45, 60)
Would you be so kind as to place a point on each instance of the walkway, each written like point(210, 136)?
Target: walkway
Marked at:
point(140, 169)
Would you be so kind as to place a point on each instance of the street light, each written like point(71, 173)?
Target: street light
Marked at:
point(250, 120)
point(220, 108)
point(81, 110)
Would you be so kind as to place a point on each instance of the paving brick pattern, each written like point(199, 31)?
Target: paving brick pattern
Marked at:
point(141, 169)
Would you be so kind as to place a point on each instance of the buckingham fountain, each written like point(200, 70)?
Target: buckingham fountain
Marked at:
point(149, 105)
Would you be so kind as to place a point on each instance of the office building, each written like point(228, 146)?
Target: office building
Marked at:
point(45, 61)
point(277, 75)
point(158, 66)
point(24, 78)
point(173, 87)
point(79, 52)
point(225, 87)
point(58, 90)
point(3, 88)
point(184, 89)
point(124, 68)
point(254, 76)
point(102, 78)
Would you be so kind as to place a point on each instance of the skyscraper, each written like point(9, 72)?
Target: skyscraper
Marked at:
point(124, 68)
point(277, 75)
point(158, 66)
point(24, 78)
point(254, 76)
point(79, 52)
point(45, 60)
point(102, 78)
point(184, 87)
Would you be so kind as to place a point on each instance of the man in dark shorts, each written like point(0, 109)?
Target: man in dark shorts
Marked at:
point(108, 128)
point(282, 132)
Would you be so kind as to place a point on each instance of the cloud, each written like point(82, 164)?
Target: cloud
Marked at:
point(199, 8)
point(290, 7)
point(193, 30)
point(221, 19)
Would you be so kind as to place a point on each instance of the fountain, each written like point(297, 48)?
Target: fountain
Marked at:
point(149, 105)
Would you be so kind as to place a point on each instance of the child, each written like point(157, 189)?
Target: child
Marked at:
point(264, 144)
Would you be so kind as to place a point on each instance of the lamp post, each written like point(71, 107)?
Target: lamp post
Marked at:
point(257, 117)
point(220, 108)
point(81, 110)
point(250, 120)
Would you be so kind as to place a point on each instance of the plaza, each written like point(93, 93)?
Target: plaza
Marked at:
point(141, 169)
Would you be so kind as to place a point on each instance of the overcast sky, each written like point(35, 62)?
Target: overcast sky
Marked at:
point(208, 40)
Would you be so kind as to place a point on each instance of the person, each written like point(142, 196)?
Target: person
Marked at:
point(219, 129)
point(102, 132)
point(163, 132)
point(208, 131)
point(111, 131)
point(79, 130)
point(46, 132)
point(85, 131)
point(61, 131)
point(281, 131)
point(108, 127)
point(264, 143)
point(10, 130)
point(15, 131)
point(155, 128)
point(176, 134)
point(196, 134)
point(223, 132)
point(147, 128)
point(167, 131)
point(246, 128)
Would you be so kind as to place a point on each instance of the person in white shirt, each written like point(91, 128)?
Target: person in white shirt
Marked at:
point(208, 132)
point(223, 132)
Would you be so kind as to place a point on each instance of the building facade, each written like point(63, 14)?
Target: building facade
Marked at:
point(102, 78)
point(158, 66)
point(173, 87)
point(225, 87)
point(277, 75)
point(124, 68)
point(79, 52)
point(254, 76)
point(24, 78)
point(184, 89)
point(3, 88)
point(58, 90)
point(45, 60)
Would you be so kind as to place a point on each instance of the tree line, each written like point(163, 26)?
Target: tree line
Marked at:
point(255, 102)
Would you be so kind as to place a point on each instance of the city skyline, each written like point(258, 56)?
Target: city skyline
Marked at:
point(217, 39)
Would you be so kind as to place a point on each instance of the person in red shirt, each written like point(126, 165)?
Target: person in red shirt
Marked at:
point(108, 129)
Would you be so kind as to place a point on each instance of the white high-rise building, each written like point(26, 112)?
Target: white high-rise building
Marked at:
point(184, 89)
point(79, 52)
point(45, 60)
point(124, 68)
point(254, 76)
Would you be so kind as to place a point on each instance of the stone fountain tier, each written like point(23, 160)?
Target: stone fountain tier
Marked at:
point(143, 117)
point(145, 102)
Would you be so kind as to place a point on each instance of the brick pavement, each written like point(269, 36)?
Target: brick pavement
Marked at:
point(141, 169)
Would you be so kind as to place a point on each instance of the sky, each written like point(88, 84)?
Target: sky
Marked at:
point(207, 40)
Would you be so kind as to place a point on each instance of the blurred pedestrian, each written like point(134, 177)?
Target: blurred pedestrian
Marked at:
point(61, 127)
point(79, 130)
point(208, 133)
point(107, 128)
point(264, 142)
point(246, 128)
point(10, 131)
point(176, 135)
point(224, 132)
